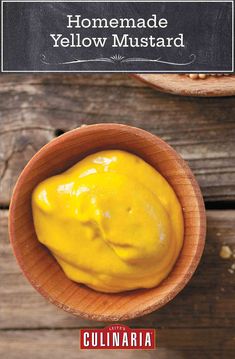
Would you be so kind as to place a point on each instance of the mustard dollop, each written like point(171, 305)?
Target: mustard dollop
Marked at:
point(111, 221)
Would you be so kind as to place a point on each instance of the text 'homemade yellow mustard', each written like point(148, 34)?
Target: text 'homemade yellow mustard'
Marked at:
point(111, 221)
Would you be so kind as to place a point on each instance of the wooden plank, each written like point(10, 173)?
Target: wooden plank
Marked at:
point(95, 79)
point(33, 107)
point(208, 300)
point(172, 343)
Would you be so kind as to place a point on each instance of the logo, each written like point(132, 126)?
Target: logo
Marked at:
point(118, 336)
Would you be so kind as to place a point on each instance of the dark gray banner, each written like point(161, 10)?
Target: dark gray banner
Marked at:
point(156, 36)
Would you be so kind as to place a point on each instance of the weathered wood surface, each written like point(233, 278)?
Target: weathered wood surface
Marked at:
point(173, 344)
point(200, 321)
point(33, 107)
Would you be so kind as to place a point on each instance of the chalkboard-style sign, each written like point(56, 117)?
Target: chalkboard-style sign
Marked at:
point(122, 36)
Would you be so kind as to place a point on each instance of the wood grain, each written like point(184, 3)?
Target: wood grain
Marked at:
point(205, 310)
point(32, 107)
point(184, 86)
point(172, 344)
point(200, 321)
point(207, 301)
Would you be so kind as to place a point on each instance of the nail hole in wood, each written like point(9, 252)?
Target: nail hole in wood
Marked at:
point(58, 132)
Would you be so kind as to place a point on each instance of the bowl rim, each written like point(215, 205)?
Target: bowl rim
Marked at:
point(195, 259)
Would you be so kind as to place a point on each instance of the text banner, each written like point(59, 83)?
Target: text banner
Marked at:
point(157, 36)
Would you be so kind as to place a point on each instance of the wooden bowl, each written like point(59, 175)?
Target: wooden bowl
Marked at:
point(40, 267)
point(184, 86)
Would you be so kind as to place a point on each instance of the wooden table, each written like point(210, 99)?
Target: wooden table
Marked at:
point(200, 322)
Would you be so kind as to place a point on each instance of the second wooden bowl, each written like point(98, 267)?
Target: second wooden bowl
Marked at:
point(40, 267)
point(184, 86)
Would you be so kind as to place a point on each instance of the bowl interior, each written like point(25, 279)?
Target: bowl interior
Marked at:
point(39, 265)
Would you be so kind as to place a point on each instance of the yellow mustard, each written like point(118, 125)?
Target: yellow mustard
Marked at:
point(111, 221)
